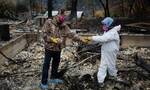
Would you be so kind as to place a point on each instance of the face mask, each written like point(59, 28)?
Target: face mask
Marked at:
point(61, 19)
point(105, 28)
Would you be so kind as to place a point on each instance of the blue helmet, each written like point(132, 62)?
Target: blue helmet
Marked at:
point(107, 21)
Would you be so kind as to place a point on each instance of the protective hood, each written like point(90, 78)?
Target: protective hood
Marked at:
point(117, 28)
point(107, 21)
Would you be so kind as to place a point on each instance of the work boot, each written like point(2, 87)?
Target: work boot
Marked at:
point(56, 81)
point(43, 87)
point(112, 78)
point(115, 78)
point(101, 85)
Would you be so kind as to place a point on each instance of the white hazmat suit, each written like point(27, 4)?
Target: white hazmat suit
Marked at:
point(110, 46)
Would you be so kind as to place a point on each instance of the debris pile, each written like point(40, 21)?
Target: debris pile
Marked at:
point(26, 70)
point(78, 69)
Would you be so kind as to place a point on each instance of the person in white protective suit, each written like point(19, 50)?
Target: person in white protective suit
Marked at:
point(110, 46)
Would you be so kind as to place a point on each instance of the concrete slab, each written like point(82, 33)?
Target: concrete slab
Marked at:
point(14, 46)
point(139, 40)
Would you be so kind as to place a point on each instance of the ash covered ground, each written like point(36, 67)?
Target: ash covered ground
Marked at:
point(78, 70)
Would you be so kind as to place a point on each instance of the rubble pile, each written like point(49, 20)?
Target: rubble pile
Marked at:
point(77, 69)
point(127, 55)
point(26, 71)
point(137, 76)
point(26, 26)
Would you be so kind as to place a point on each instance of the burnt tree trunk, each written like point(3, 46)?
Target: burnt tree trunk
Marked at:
point(122, 7)
point(105, 7)
point(73, 9)
point(50, 8)
point(131, 6)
